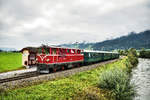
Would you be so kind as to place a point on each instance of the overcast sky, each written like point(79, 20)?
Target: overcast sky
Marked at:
point(33, 22)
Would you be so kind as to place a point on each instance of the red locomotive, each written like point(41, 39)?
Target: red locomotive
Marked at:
point(53, 58)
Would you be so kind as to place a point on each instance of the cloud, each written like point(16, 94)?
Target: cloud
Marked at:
point(33, 22)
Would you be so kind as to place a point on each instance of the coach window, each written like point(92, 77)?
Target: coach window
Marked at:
point(86, 55)
point(89, 55)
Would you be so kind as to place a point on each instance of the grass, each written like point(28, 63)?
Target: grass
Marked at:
point(82, 86)
point(10, 61)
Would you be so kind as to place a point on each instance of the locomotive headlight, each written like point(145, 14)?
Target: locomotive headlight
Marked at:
point(48, 59)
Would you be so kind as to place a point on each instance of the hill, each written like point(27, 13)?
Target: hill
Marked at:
point(7, 49)
point(132, 40)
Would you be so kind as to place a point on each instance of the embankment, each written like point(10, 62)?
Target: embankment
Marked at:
point(81, 86)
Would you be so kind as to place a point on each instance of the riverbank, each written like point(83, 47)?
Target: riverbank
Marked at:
point(79, 86)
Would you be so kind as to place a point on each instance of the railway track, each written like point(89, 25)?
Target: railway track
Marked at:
point(21, 76)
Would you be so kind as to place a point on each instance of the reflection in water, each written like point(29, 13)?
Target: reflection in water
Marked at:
point(141, 78)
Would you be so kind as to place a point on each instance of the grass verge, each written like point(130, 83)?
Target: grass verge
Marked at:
point(82, 86)
point(10, 61)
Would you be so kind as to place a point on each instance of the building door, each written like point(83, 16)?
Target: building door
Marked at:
point(32, 59)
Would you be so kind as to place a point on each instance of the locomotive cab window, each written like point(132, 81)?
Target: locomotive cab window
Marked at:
point(64, 51)
point(61, 51)
point(68, 51)
point(72, 51)
point(39, 50)
point(54, 51)
point(78, 51)
point(75, 51)
point(46, 50)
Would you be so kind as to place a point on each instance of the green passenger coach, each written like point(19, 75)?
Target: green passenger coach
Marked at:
point(97, 56)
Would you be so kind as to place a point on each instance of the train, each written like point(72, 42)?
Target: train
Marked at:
point(50, 59)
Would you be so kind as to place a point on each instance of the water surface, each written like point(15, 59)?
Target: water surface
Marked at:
point(141, 78)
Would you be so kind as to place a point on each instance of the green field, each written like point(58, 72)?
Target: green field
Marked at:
point(76, 87)
point(10, 61)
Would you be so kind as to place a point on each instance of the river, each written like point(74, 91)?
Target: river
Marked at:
point(141, 78)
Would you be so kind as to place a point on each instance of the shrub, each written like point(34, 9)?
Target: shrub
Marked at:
point(144, 53)
point(133, 52)
point(132, 56)
point(117, 81)
point(133, 59)
point(123, 52)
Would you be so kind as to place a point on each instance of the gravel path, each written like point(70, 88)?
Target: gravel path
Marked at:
point(16, 73)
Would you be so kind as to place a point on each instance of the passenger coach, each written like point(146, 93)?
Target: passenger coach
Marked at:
point(98, 56)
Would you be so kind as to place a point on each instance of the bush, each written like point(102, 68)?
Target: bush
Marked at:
point(117, 81)
point(133, 58)
point(123, 52)
point(144, 54)
point(133, 52)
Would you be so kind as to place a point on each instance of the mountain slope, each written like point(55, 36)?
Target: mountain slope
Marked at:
point(133, 40)
point(7, 49)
